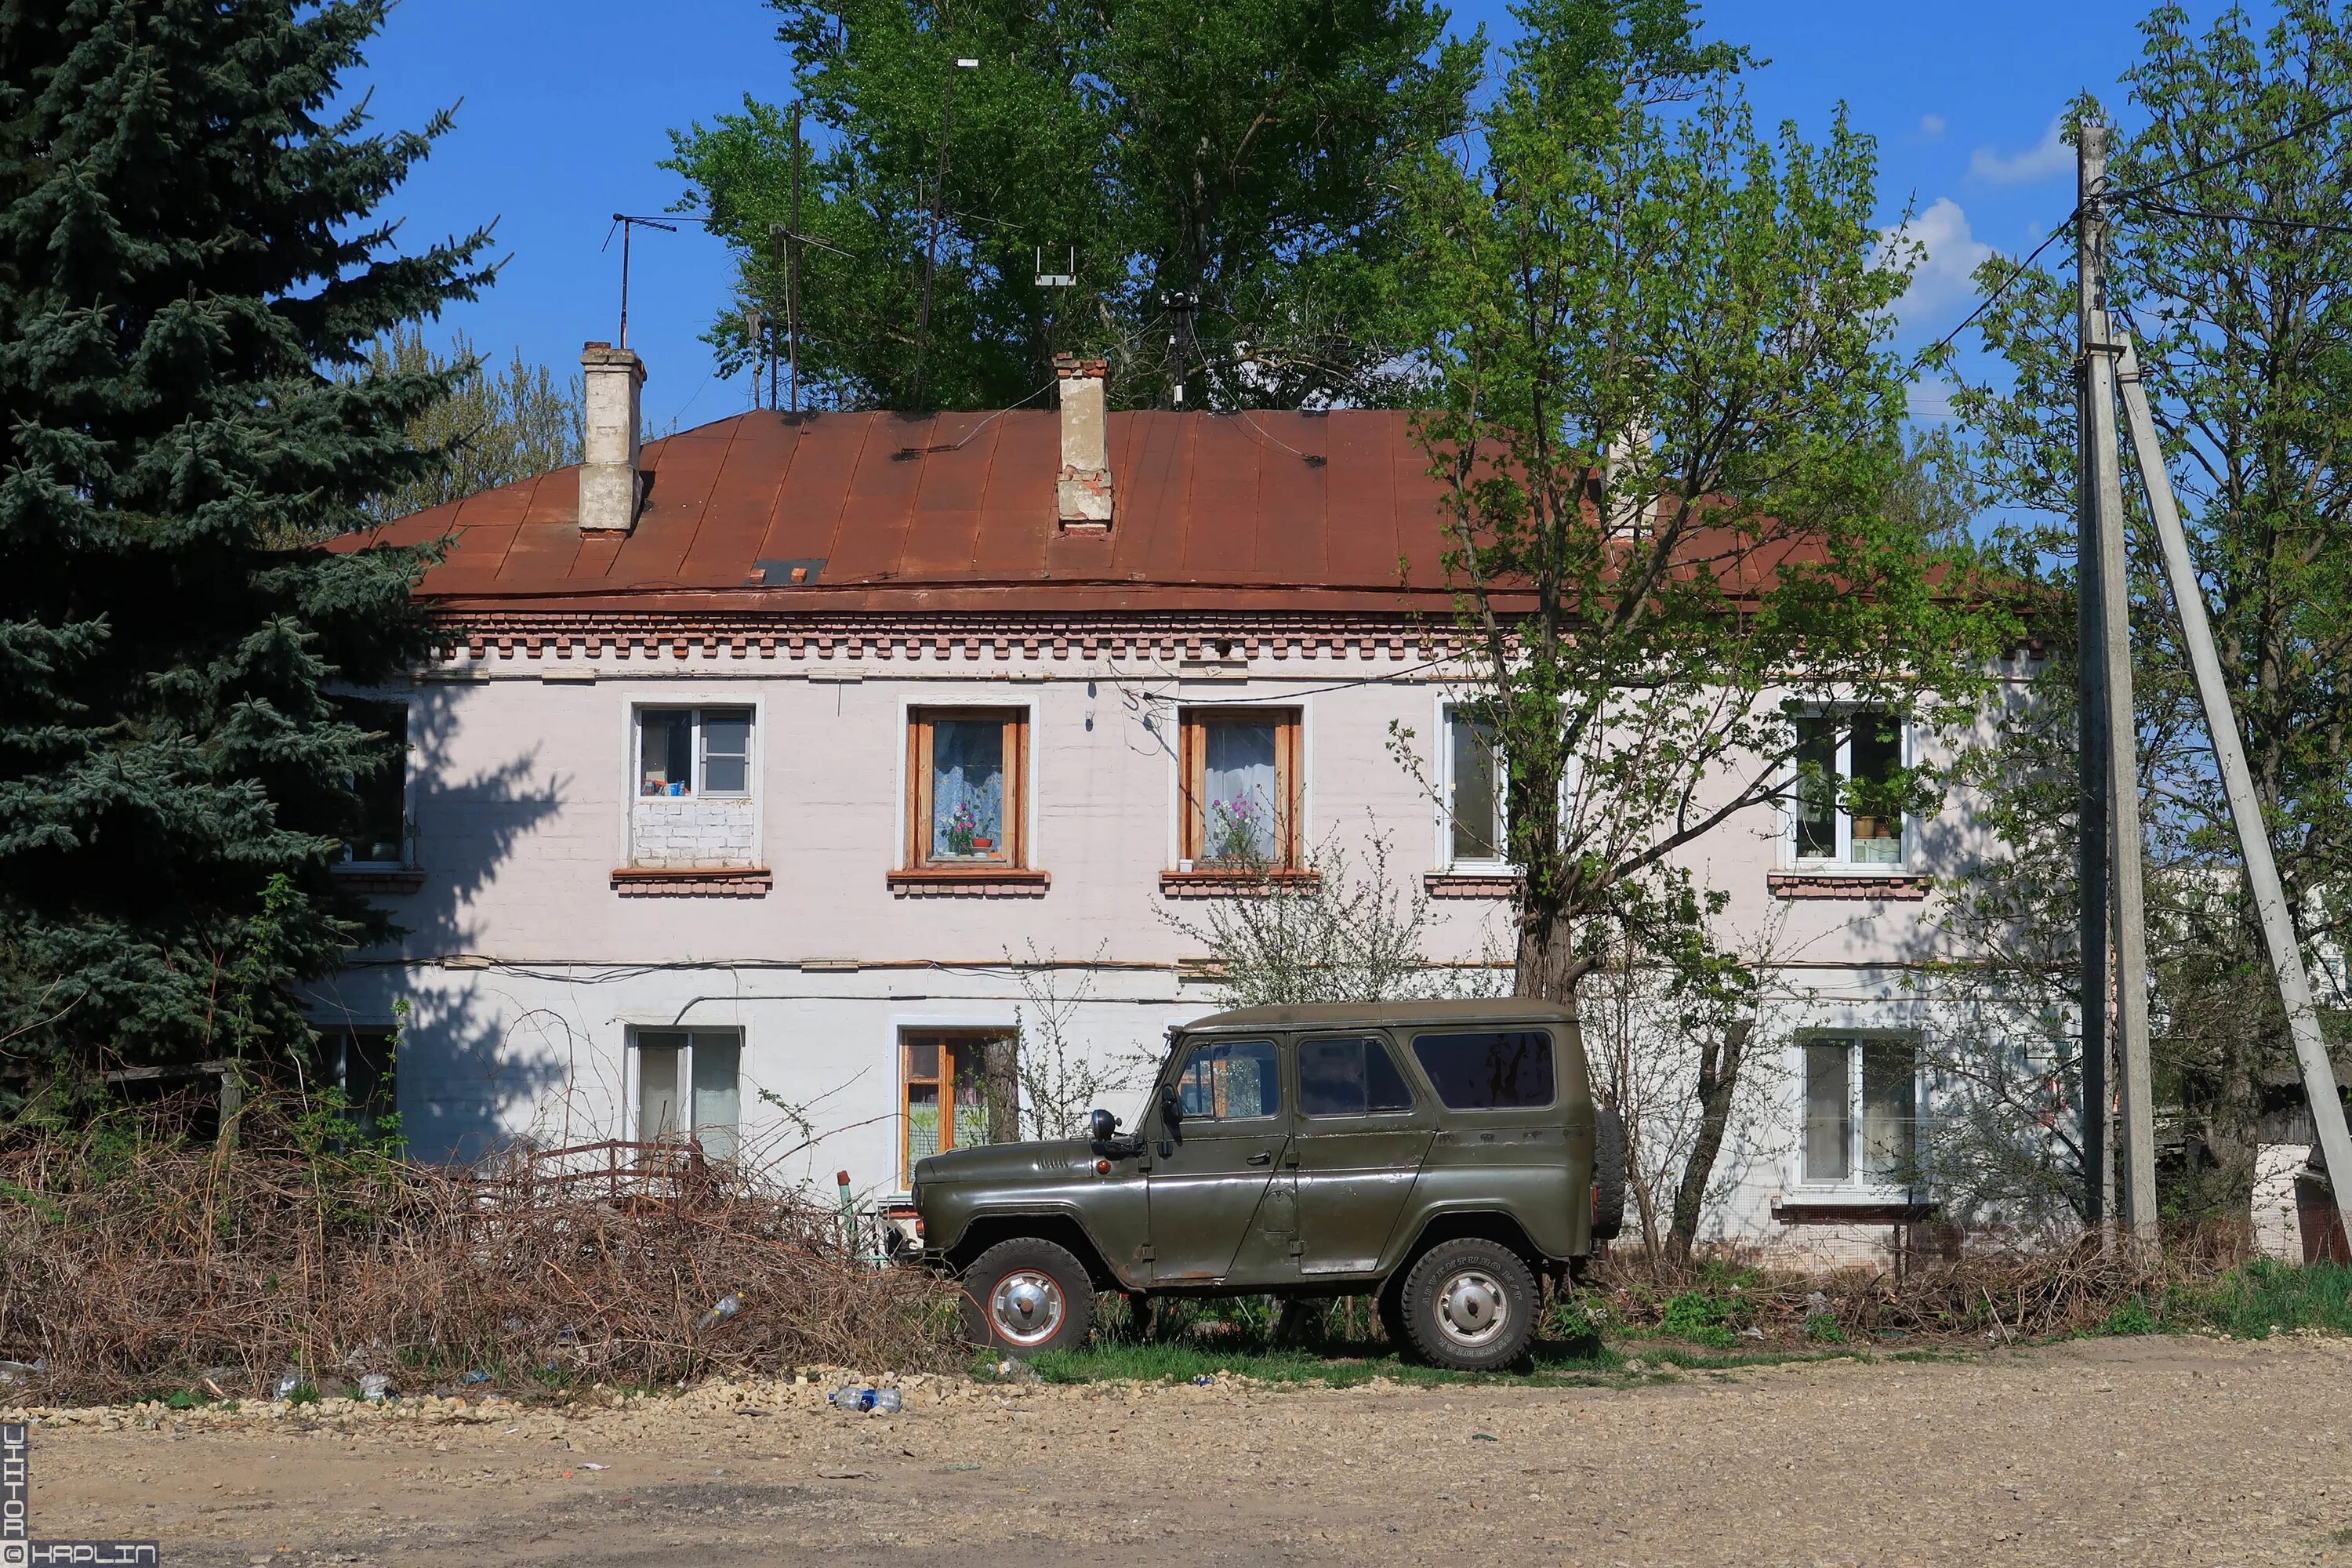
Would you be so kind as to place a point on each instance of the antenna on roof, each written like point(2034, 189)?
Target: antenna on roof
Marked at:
point(625, 222)
point(1057, 279)
point(1181, 305)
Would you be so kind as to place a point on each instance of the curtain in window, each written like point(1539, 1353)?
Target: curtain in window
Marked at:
point(1829, 1110)
point(1890, 1111)
point(968, 790)
point(659, 1058)
point(718, 1093)
point(1242, 790)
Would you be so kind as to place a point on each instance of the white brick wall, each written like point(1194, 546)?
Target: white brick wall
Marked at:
point(681, 832)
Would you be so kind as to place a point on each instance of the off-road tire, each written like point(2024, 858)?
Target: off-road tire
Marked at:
point(1608, 1173)
point(1488, 1320)
point(1030, 1271)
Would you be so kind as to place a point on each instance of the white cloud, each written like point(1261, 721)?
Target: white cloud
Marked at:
point(1945, 274)
point(2046, 158)
point(1931, 126)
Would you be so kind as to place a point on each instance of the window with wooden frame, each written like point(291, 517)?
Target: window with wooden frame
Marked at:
point(967, 789)
point(957, 1088)
point(1243, 789)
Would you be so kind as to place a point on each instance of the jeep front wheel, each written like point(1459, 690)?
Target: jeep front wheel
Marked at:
point(1470, 1305)
point(1026, 1294)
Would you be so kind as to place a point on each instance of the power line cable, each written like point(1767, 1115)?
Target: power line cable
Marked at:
point(2305, 129)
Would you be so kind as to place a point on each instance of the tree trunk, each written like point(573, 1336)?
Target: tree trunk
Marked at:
point(1719, 1062)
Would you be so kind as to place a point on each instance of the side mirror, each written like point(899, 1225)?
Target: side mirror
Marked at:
point(1104, 1125)
point(1171, 1105)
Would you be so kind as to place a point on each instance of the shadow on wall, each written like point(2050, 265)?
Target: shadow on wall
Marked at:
point(470, 1071)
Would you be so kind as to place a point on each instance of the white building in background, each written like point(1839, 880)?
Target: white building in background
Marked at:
point(778, 764)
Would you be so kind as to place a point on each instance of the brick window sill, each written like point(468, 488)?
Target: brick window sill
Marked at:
point(969, 882)
point(692, 881)
point(1232, 884)
point(1861, 886)
point(383, 882)
point(1470, 884)
point(1826, 1208)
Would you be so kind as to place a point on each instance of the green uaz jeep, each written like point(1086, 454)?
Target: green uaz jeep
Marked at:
point(1440, 1156)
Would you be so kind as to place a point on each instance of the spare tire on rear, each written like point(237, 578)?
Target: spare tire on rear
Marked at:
point(1608, 1173)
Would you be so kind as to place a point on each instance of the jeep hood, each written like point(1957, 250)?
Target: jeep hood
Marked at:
point(1006, 1162)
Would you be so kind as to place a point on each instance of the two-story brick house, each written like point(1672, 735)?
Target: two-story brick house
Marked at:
point(756, 762)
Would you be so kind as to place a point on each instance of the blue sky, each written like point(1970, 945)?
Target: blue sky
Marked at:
point(567, 107)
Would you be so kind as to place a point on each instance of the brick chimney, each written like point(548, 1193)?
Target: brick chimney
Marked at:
point(609, 489)
point(1083, 491)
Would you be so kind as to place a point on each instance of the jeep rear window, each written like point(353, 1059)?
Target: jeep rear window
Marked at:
point(1488, 1071)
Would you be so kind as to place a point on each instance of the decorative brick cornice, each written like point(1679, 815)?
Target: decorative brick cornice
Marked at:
point(1233, 884)
point(620, 639)
point(1858, 886)
point(969, 882)
point(691, 881)
point(1470, 884)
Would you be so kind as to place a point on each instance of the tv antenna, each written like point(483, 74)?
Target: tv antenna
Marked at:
point(1181, 306)
point(1057, 279)
point(625, 222)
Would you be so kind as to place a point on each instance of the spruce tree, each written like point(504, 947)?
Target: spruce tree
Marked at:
point(190, 273)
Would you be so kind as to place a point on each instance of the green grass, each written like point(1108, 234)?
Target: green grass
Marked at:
point(2266, 1298)
point(1338, 1366)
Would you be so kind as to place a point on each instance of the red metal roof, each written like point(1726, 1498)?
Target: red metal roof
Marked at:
point(1264, 511)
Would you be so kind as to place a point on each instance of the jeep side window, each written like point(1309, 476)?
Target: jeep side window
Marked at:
point(1349, 1077)
point(1226, 1080)
point(1490, 1069)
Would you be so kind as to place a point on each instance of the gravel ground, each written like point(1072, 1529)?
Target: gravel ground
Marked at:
point(2150, 1450)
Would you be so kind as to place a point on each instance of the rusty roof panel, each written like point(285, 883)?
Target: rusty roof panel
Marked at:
point(1209, 511)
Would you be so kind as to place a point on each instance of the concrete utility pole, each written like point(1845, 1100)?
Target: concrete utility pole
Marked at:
point(2091, 751)
point(2245, 807)
point(2104, 543)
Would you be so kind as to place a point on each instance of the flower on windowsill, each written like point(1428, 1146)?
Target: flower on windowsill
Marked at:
point(965, 837)
point(1239, 834)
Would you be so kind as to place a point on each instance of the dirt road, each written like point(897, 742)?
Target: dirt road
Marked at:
point(2155, 1450)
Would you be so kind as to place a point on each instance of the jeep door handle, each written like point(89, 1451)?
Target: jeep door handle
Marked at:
point(1261, 1159)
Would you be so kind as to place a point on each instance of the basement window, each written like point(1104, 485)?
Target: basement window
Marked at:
point(1862, 1109)
point(689, 1088)
point(957, 1088)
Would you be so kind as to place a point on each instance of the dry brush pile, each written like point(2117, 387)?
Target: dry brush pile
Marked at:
point(131, 1263)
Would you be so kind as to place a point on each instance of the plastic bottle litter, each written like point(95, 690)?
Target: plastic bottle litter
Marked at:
point(729, 1305)
point(376, 1387)
point(287, 1383)
point(477, 1375)
point(885, 1400)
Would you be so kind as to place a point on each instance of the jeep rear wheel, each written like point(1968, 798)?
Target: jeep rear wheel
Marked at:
point(1025, 1296)
point(1470, 1305)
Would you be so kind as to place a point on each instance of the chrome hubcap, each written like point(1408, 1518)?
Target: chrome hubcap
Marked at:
point(1472, 1308)
point(1026, 1307)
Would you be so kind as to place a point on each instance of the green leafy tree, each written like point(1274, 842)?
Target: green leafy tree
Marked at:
point(1667, 424)
point(491, 430)
point(2239, 295)
point(1246, 153)
point(187, 260)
